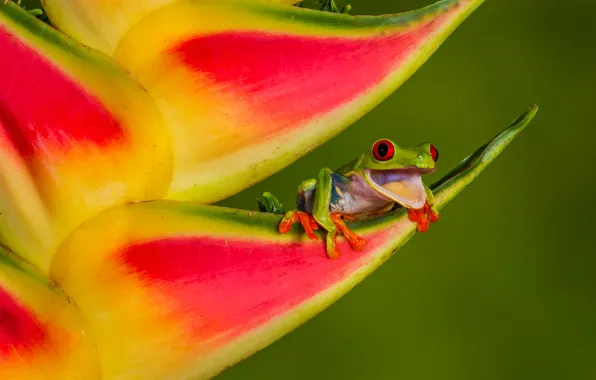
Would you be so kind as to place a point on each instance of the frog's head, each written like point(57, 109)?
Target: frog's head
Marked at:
point(396, 172)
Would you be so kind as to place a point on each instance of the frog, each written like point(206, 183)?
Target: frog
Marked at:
point(385, 177)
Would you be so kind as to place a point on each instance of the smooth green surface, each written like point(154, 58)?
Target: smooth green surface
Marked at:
point(504, 285)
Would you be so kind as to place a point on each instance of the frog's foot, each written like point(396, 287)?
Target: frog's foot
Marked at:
point(308, 222)
point(356, 242)
point(424, 216)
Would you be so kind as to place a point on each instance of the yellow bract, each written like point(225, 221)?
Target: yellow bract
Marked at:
point(101, 24)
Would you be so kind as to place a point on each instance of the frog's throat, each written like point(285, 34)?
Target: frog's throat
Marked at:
point(403, 186)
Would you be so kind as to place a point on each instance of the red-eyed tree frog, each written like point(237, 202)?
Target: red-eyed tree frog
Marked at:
point(370, 185)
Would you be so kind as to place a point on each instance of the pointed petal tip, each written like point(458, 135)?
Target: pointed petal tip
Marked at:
point(525, 118)
point(461, 176)
point(520, 123)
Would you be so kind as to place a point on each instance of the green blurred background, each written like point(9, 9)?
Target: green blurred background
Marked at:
point(504, 286)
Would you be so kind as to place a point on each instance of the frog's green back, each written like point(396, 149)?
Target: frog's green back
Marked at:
point(348, 167)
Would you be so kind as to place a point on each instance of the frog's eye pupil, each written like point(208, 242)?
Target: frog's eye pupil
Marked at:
point(434, 152)
point(383, 150)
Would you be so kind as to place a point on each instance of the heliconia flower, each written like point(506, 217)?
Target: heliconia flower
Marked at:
point(77, 135)
point(42, 335)
point(220, 95)
point(101, 24)
point(181, 290)
point(247, 87)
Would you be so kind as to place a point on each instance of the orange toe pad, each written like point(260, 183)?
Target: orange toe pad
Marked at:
point(308, 223)
point(356, 242)
point(423, 216)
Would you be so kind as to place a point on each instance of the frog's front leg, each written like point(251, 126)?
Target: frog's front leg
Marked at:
point(331, 222)
point(304, 193)
point(427, 214)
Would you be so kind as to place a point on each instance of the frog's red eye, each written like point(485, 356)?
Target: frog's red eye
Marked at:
point(383, 150)
point(434, 152)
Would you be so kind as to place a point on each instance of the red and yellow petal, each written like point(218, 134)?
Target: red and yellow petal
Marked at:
point(42, 335)
point(77, 135)
point(247, 87)
point(101, 24)
point(179, 290)
point(192, 289)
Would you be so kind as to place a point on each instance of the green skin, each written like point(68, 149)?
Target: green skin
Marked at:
point(356, 189)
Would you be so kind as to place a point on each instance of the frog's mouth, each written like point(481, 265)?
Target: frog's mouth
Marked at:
point(403, 186)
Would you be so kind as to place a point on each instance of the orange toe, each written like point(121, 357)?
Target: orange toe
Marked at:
point(412, 215)
point(285, 227)
point(423, 225)
point(307, 222)
point(433, 216)
point(333, 255)
point(423, 217)
point(286, 223)
point(356, 242)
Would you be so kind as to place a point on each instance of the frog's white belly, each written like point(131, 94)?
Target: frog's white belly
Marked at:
point(357, 197)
